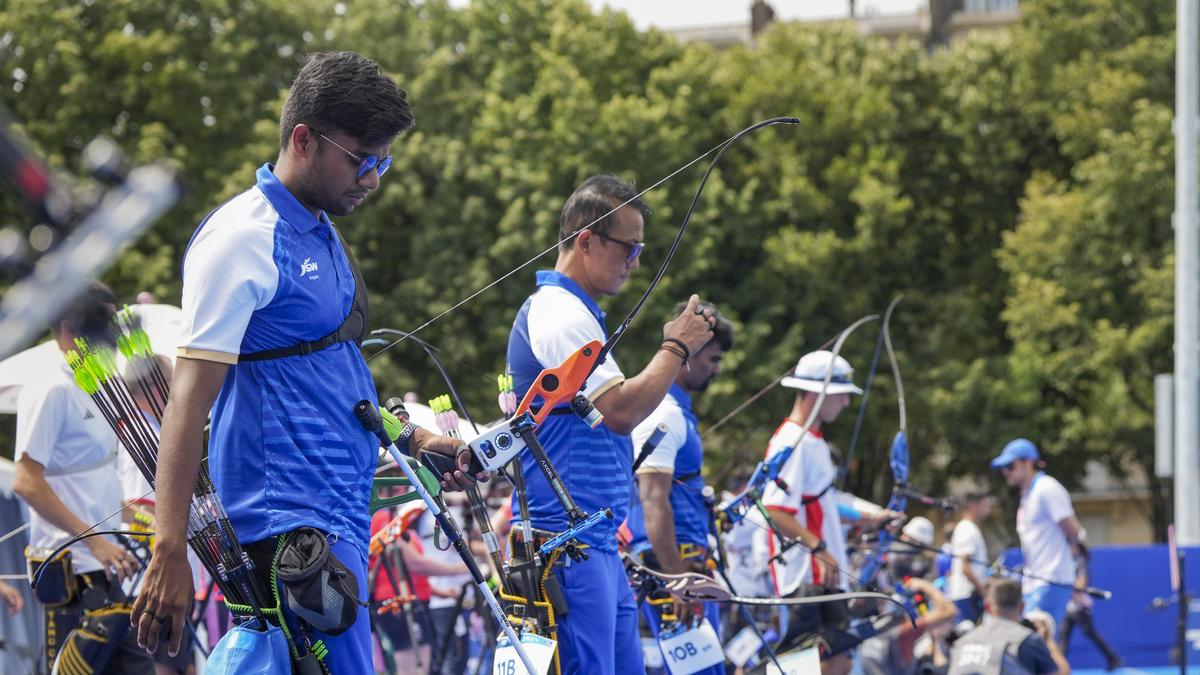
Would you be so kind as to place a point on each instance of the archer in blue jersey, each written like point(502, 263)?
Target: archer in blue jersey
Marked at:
point(264, 274)
point(668, 519)
point(598, 251)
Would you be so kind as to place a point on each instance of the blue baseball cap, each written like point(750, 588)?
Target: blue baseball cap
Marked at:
point(1021, 448)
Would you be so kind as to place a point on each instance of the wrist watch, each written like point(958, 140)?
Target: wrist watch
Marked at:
point(819, 547)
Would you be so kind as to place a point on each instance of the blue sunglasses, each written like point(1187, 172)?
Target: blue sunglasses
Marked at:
point(365, 164)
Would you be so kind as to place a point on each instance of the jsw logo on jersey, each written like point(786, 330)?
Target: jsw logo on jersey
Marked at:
point(307, 266)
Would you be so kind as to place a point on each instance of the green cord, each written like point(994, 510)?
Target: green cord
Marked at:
point(277, 610)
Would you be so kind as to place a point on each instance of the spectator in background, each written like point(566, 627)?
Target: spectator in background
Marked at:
point(668, 516)
point(966, 585)
point(448, 641)
point(1047, 527)
point(941, 563)
point(1079, 610)
point(66, 471)
point(1002, 643)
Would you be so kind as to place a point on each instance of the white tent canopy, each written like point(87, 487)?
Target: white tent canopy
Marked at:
point(160, 321)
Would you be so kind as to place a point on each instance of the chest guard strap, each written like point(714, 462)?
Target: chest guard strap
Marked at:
point(354, 326)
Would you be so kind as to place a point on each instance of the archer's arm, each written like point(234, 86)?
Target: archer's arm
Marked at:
point(654, 488)
point(1071, 528)
point(29, 482)
point(627, 403)
point(786, 524)
point(194, 388)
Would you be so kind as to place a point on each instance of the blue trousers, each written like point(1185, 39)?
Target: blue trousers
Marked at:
point(599, 634)
point(1051, 600)
point(712, 612)
point(350, 652)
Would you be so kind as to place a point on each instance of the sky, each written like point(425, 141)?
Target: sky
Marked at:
point(685, 13)
point(680, 13)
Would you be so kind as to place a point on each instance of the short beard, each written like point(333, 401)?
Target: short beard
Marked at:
point(310, 194)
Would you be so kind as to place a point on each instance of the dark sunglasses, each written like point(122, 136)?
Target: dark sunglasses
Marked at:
point(632, 248)
point(365, 164)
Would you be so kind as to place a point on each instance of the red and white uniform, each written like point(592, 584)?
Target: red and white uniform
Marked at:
point(807, 473)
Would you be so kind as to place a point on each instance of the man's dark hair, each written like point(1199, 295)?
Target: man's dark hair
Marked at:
point(722, 329)
point(593, 198)
point(89, 315)
point(342, 91)
point(1004, 595)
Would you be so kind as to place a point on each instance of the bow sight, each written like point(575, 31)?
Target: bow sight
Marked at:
point(552, 388)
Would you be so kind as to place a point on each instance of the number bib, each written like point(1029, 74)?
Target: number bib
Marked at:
point(807, 662)
point(540, 650)
point(692, 650)
point(743, 647)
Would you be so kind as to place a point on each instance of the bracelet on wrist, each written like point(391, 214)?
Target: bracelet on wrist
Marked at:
point(671, 349)
point(821, 546)
point(686, 352)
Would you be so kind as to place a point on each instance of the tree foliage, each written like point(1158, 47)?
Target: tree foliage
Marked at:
point(1014, 188)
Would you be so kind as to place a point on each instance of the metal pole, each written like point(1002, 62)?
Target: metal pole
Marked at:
point(1187, 283)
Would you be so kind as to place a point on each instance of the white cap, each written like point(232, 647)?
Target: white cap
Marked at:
point(810, 373)
point(919, 529)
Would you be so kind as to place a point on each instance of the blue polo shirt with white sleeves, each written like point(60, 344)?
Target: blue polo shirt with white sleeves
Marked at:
point(681, 455)
point(558, 319)
point(285, 449)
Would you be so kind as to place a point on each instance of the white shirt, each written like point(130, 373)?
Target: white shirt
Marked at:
point(230, 272)
point(670, 415)
point(59, 427)
point(134, 487)
point(966, 542)
point(1044, 546)
point(747, 564)
point(559, 324)
point(808, 472)
point(426, 525)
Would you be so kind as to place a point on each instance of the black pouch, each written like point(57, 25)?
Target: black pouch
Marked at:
point(57, 585)
point(318, 587)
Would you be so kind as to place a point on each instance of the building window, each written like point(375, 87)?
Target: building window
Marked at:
point(984, 6)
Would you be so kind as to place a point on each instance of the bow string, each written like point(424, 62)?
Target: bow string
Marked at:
point(898, 459)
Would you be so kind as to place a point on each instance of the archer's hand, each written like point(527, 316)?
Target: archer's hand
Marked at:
point(684, 611)
point(454, 447)
point(165, 597)
point(829, 569)
point(884, 518)
point(692, 327)
point(1043, 629)
point(114, 559)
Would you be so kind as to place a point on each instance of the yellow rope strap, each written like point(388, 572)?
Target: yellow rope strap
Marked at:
point(544, 603)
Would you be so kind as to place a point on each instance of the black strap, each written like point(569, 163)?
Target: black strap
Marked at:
point(805, 501)
point(354, 326)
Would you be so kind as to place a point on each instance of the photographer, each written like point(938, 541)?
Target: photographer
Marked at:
point(1003, 643)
